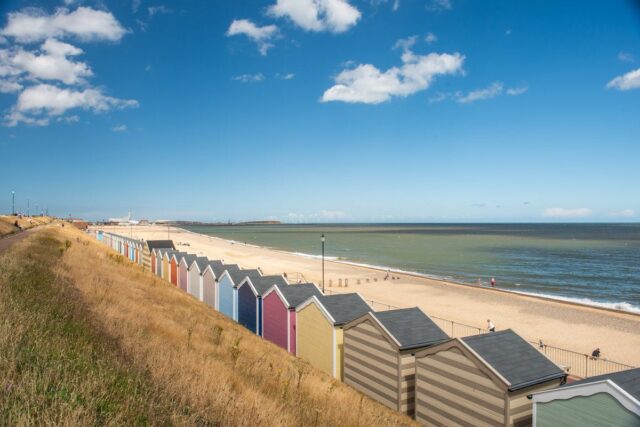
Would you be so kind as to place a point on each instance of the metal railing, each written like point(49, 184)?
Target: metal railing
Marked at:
point(574, 363)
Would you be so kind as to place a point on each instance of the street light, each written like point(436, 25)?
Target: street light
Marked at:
point(13, 203)
point(322, 240)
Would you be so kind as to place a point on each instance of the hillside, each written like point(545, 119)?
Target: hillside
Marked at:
point(88, 338)
point(7, 223)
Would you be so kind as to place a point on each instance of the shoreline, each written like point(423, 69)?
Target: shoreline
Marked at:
point(445, 281)
point(563, 324)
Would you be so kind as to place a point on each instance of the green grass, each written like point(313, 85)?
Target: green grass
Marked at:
point(57, 366)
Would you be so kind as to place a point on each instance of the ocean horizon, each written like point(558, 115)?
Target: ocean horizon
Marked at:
point(595, 264)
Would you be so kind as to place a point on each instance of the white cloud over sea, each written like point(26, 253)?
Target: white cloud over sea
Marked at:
point(566, 213)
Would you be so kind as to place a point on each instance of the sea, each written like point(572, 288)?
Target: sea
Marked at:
point(593, 264)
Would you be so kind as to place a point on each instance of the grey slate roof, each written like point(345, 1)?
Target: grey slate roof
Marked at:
point(238, 275)
point(154, 244)
point(628, 380)
point(189, 258)
point(411, 327)
point(219, 267)
point(344, 307)
point(263, 283)
point(514, 358)
point(177, 254)
point(297, 294)
point(202, 262)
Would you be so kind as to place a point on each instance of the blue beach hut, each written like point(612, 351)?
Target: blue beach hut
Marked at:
point(250, 292)
point(228, 289)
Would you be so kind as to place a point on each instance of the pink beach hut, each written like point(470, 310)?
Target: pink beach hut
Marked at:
point(279, 312)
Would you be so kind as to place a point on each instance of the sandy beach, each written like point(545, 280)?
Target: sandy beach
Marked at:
point(565, 325)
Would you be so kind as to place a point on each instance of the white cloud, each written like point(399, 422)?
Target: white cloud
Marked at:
point(430, 38)
point(249, 78)
point(492, 91)
point(287, 76)
point(260, 35)
point(119, 128)
point(406, 44)
point(625, 213)
point(52, 100)
point(52, 64)
point(336, 16)
point(68, 119)
point(85, 23)
point(9, 86)
point(15, 117)
point(628, 81)
point(156, 10)
point(515, 91)
point(566, 213)
point(332, 214)
point(626, 57)
point(396, 5)
point(135, 5)
point(438, 5)
point(367, 84)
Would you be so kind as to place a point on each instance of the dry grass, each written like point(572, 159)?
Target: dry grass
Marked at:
point(210, 370)
point(7, 223)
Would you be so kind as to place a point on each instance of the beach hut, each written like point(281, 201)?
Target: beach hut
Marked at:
point(183, 270)
point(174, 263)
point(149, 246)
point(194, 281)
point(228, 289)
point(279, 312)
point(604, 400)
point(319, 323)
point(156, 258)
point(481, 380)
point(250, 292)
point(379, 350)
point(210, 275)
point(166, 263)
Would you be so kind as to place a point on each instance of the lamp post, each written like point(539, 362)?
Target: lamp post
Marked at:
point(322, 240)
point(13, 203)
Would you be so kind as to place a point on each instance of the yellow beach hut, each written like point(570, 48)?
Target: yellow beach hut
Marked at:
point(319, 322)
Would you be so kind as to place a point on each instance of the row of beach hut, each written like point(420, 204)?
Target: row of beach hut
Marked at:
point(400, 358)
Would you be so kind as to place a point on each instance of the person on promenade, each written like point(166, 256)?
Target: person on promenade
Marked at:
point(493, 282)
point(490, 326)
point(595, 353)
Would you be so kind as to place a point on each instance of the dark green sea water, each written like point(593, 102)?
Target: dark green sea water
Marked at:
point(596, 264)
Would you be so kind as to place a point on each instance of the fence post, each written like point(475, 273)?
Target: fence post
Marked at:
point(586, 366)
point(452, 329)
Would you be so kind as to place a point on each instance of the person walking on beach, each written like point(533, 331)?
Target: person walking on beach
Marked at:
point(493, 282)
point(490, 326)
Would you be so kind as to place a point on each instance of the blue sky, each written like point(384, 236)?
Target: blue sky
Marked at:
point(322, 110)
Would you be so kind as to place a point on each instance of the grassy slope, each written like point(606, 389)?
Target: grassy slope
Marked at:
point(102, 341)
point(7, 223)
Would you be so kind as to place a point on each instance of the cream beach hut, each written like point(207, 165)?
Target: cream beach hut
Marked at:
point(319, 323)
point(379, 350)
point(194, 281)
